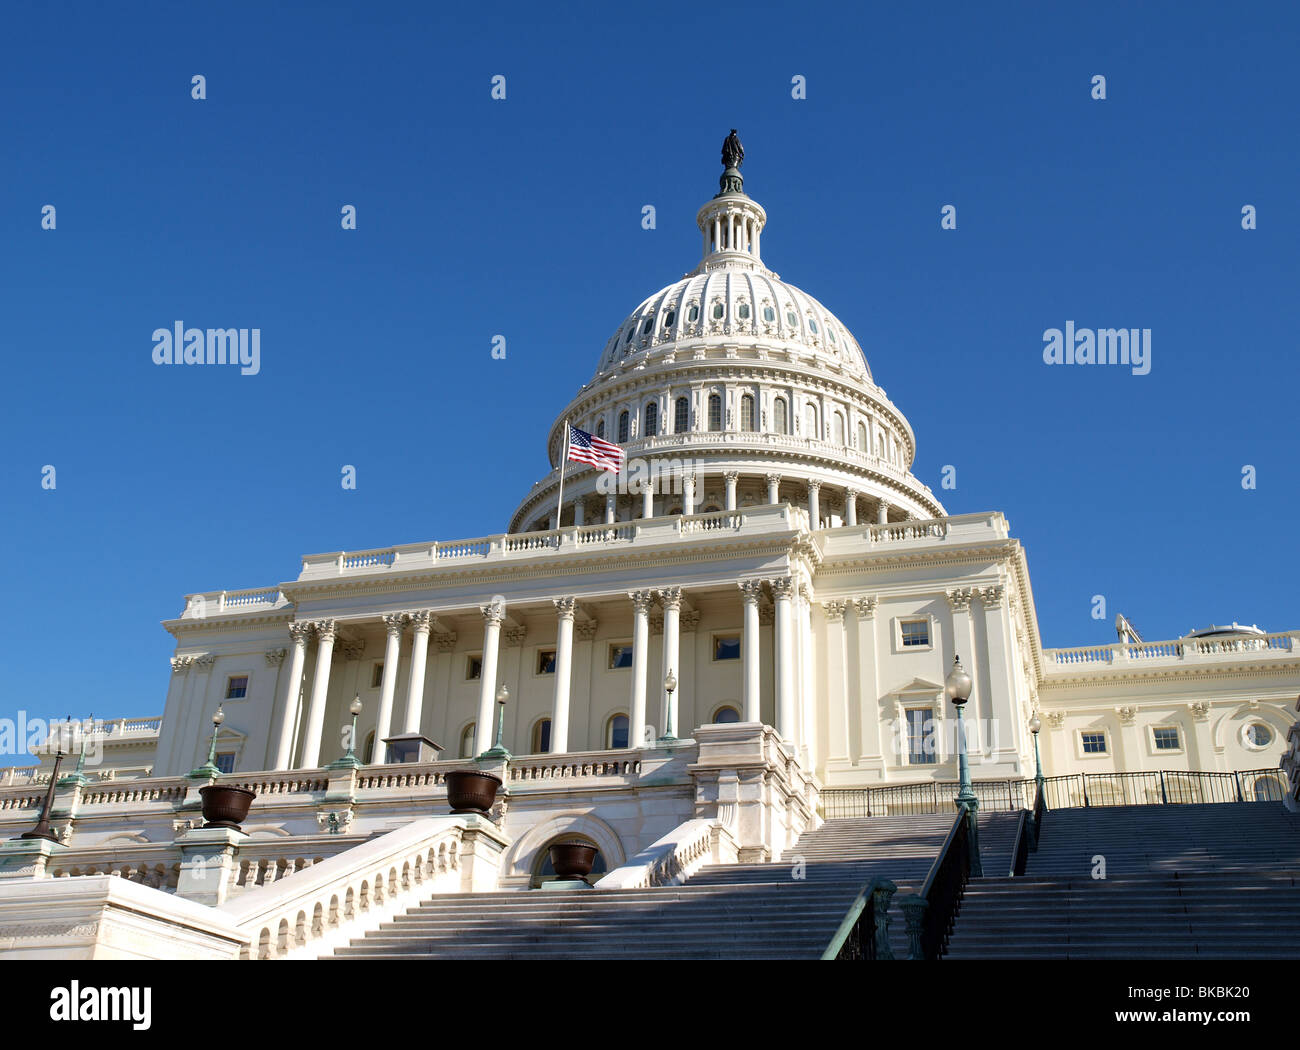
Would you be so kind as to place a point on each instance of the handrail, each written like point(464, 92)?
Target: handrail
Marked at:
point(855, 937)
point(1020, 855)
point(944, 885)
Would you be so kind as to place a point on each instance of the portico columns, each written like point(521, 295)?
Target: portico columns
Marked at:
point(325, 635)
point(640, 659)
point(422, 621)
point(750, 590)
point(648, 500)
point(783, 592)
point(611, 508)
point(814, 505)
point(882, 514)
point(563, 674)
point(392, 656)
point(672, 600)
point(730, 478)
point(850, 507)
point(773, 488)
point(579, 513)
point(493, 614)
point(299, 632)
point(688, 494)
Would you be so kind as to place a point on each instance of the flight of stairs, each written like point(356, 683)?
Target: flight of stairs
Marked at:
point(1182, 881)
point(731, 911)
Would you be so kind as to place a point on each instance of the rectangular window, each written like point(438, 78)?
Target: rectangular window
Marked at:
point(726, 647)
point(226, 762)
point(473, 668)
point(376, 676)
point(620, 656)
point(915, 632)
point(1166, 738)
point(546, 661)
point(237, 687)
point(1094, 743)
point(921, 744)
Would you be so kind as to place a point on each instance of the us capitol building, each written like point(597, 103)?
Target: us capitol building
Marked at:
point(768, 555)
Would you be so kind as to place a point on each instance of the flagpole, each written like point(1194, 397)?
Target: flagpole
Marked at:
point(564, 459)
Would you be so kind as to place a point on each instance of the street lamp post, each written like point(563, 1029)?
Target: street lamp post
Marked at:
point(957, 687)
point(670, 685)
point(209, 769)
point(77, 776)
point(349, 759)
point(498, 750)
point(1035, 724)
point(42, 829)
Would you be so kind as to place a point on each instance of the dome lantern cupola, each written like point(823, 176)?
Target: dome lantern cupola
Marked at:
point(731, 222)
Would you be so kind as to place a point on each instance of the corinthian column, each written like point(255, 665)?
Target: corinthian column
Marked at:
point(783, 593)
point(563, 673)
point(672, 599)
point(850, 507)
point(814, 505)
point(640, 658)
point(750, 590)
point(392, 656)
point(730, 478)
point(493, 614)
point(773, 488)
point(422, 621)
point(325, 636)
point(300, 633)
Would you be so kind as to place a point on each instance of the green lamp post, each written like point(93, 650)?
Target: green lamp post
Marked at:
point(77, 776)
point(498, 750)
point(1035, 724)
point(957, 687)
point(209, 770)
point(42, 829)
point(349, 759)
point(670, 686)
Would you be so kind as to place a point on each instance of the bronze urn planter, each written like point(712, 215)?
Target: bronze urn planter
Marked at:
point(472, 791)
point(225, 807)
point(573, 860)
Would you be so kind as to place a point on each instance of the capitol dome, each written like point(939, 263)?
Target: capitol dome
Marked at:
point(757, 388)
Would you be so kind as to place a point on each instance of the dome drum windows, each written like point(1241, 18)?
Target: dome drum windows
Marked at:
point(780, 416)
point(651, 419)
point(742, 311)
point(693, 313)
point(624, 427)
point(682, 415)
point(747, 413)
point(715, 411)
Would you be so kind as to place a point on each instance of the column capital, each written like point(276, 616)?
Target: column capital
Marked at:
point(1056, 719)
point(850, 494)
point(275, 657)
point(642, 600)
point(353, 650)
point(1127, 715)
point(992, 596)
point(586, 630)
point(782, 587)
point(493, 612)
point(1200, 710)
point(731, 476)
point(565, 607)
point(514, 635)
point(671, 597)
point(394, 622)
point(326, 631)
point(834, 611)
point(751, 591)
point(181, 664)
point(814, 485)
point(205, 661)
point(445, 641)
point(772, 479)
point(690, 620)
point(959, 598)
point(422, 619)
point(300, 631)
point(866, 605)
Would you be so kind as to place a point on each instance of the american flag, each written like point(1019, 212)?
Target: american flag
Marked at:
point(587, 448)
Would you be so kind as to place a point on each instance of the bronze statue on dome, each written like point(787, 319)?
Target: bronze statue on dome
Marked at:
point(733, 153)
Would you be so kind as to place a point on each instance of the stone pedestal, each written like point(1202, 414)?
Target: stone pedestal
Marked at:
point(564, 886)
point(207, 862)
point(482, 847)
point(26, 858)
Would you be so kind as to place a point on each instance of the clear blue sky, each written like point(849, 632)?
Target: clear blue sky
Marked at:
point(522, 218)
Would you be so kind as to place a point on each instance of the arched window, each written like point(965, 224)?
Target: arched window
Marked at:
point(863, 443)
point(651, 419)
point(669, 318)
point(810, 422)
point(839, 428)
point(693, 313)
point(682, 416)
point(780, 416)
point(726, 714)
point(368, 754)
point(623, 424)
point(541, 736)
point(715, 411)
point(616, 732)
point(600, 428)
point(747, 412)
point(467, 741)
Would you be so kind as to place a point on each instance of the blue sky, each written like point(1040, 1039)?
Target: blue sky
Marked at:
point(522, 218)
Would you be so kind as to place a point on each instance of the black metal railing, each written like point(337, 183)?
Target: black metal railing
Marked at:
point(944, 886)
point(1157, 787)
point(1024, 832)
point(856, 937)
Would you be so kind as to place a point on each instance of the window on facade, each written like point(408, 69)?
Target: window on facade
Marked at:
point(226, 762)
point(237, 687)
point(726, 647)
point(724, 715)
point(791, 319)
point(715, 411)
point(1259, 735)
point(718, 311)
point(747, 412)
point(628, 337)
point(542, 736)
point(623, 426)
point(862, 438)
point(742, 311)
point(600, 428)
point(1094, 743)
point(467, 741)
point(839, 429)
point(1166, 738)
point(473, 668)
point(669, 318)
point(693, 313)
point(376, 676)
point(769, 314)
point(812, 326)
point(616, 732)
point(651, 419)
point(681, 415)
point(830, 334)
point(810, 421)
point(921, 745)
point(620, 656)
point(780, 416)
point(649, 323)
point(914, 632)
point(546, 661)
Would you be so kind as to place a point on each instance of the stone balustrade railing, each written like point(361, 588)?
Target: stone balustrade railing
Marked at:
point(319, 907)
point(1173, 651)
point(676, 857)
point(222, 603)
